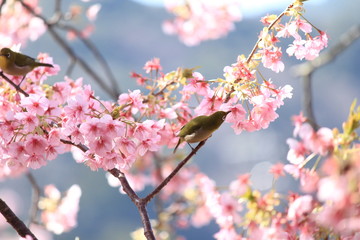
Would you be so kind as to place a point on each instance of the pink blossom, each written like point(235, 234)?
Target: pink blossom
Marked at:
point(153, 65)
point(237, 115)
point(240, 186)
point(133, 100)
point(77, 108)
point(92, 128)
point(289, 30)
point(101, 145)
point(309, 181)
point(35, 144)
point(201, 20)
point(126, 146)
point(298, 121)
point(35, 161)
point(263, 112)
point(35, 104)
point(62, 91)
point(201, 217)
point(197, 85)
point(92, 11)
point(63, 217)
point(320, 142)
point(300, 208)
point(29, 120)
point(148, 145)
point(297, 151)
point(333, 189)
point(111, 127)
point(168, 113)
point(298, 49)
point(303, 25)
point(17, 150)
point(272, 59)
point(110, 160)
point(208, 105)
point(277, 170)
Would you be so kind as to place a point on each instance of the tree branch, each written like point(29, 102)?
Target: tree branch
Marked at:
point(305, 70)
point(89, 70)
point(35, 198)
point(17, 87)
point(14, 221)
point(173, 173)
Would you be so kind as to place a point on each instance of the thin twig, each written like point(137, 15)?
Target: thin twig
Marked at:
point(269, 28)
point(173, 173)
point(17, 87)
point(14, 221)
point(35, 198)
point(2, 5)
point(139, 203)
point(89, 70)
point(308, 107)
point(345, 41)
point(305, 70)
point(97, 55)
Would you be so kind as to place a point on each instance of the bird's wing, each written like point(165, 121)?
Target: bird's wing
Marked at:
point(23, 60)
point(192, 126)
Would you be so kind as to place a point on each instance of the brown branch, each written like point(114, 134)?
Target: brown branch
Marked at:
point(14, 221)
point(35, 198)
point(139, 203)
point(97, 55)
point(173, 173)
point(17, 87)
point(87, 68)
point(270, 27)
point(305, 70)
point(344, 42)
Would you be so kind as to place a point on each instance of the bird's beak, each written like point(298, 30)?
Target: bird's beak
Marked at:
point(227, 113)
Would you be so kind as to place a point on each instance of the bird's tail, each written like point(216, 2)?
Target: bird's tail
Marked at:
point(39, 64)
point(177, 145)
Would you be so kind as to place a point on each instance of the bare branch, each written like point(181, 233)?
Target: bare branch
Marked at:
point(139, 203)
point(97, 55)
point(35, 198)
point(87, 68)
point(173, 173)
point(14, 221)
point(345, 41)
point(17, 87)
point(305, 70)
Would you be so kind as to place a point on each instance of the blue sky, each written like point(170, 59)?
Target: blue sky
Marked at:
point(249, 8)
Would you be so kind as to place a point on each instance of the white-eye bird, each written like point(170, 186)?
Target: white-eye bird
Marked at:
point(17, 64)
point(201, 128)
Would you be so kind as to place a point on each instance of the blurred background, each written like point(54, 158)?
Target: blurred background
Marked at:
point(129, 33)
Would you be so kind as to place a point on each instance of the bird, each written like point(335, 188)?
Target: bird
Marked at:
point(201, 128)
point(17, 64)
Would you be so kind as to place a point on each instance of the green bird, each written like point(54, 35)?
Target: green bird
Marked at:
point(201, 128)
point(17, 64)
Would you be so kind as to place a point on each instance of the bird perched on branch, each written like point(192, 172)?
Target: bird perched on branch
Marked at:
point(201, 128)
point(17, 64)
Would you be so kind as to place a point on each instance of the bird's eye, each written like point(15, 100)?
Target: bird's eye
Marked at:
point(223, 118)
point(7, 55)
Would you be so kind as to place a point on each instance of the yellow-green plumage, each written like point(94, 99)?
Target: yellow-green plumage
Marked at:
point(201, 128)
point(17, 64)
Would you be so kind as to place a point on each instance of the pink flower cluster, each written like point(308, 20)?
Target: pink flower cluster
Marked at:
point(200, 20)
point(17, 25)
point(308, 48)
point(59, 213)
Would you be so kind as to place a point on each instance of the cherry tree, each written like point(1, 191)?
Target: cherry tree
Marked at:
point(125, 135)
